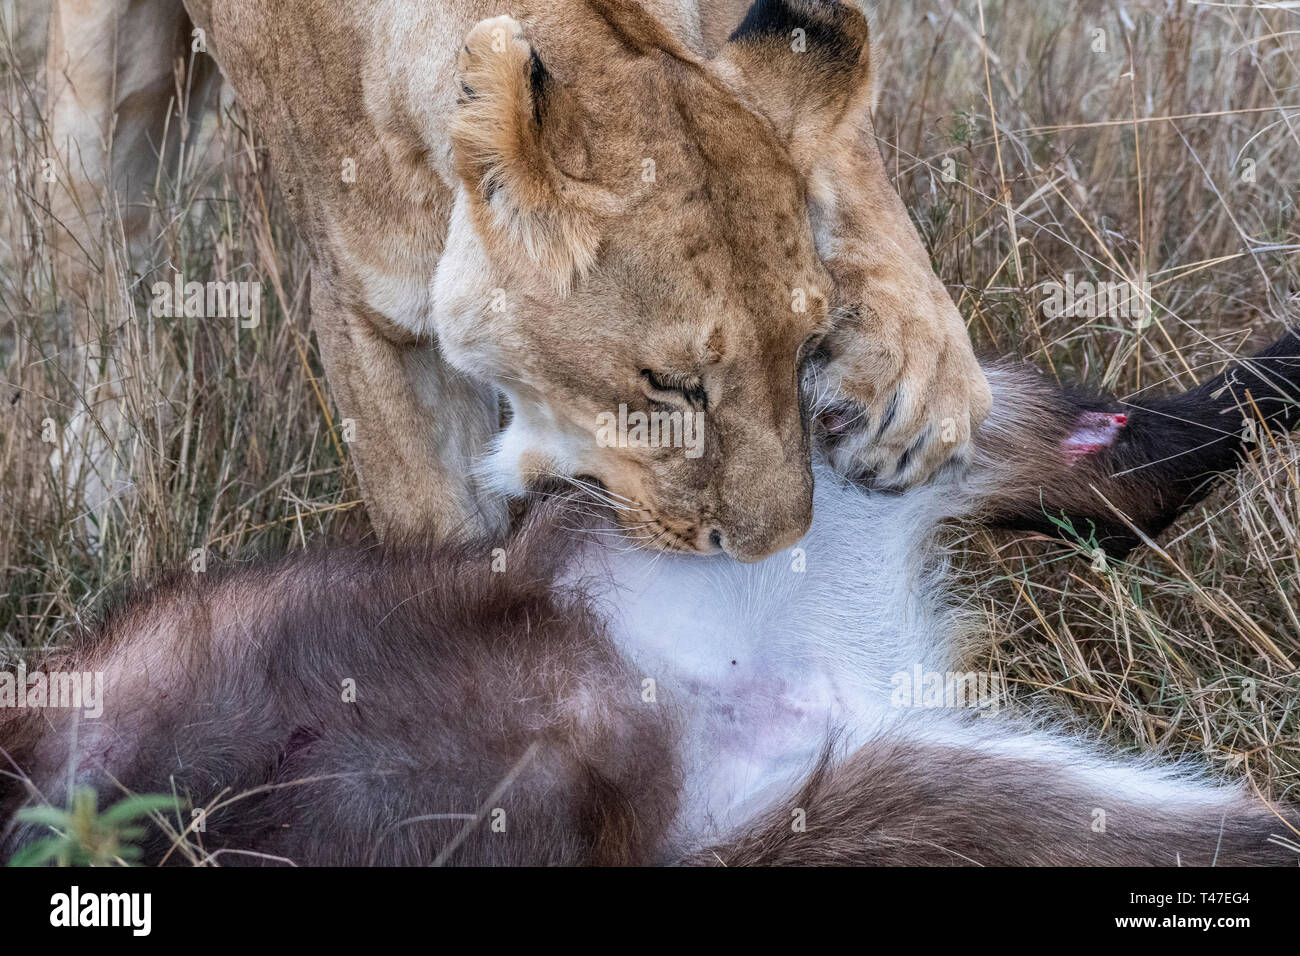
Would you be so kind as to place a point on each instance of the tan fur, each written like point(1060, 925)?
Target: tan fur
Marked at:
point(532, 182)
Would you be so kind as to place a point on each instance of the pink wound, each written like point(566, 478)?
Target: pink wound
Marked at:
point(1093, 432)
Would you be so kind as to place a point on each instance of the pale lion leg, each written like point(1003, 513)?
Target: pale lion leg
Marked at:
point(413, 424)
point(109, 81)
point(900, 355)
point(900, 358)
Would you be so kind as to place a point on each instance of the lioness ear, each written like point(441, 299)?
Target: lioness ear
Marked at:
point(805, 65)
point(518, 145)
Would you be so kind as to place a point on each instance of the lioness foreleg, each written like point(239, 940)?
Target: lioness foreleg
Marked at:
point(899, 358)
point(414, 423)
point(900, 355)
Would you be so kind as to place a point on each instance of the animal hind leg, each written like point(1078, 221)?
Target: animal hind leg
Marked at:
point(1085, 460)
point(1009, 799)
point(1049, 459)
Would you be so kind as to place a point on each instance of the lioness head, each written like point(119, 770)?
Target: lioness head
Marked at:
point(632, 262)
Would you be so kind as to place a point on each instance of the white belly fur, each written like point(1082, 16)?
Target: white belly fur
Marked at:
point(761, 663)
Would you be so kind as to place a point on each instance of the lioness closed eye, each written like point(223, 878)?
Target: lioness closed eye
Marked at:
point(631, 208)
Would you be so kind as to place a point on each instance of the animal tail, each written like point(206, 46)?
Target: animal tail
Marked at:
point(1051, 460)
point(1026, 799)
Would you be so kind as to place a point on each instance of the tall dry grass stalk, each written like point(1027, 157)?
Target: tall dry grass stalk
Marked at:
point(1165, 149)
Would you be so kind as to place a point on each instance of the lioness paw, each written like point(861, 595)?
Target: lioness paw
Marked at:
point(899, 415)
point(495, 42)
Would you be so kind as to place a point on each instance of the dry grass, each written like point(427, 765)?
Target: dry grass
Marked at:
point(222, 443)
point(1193, 648)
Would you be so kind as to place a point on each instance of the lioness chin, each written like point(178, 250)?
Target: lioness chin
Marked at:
point(663, 205)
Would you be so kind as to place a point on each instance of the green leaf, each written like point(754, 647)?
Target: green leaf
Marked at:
point(138, 806)
point(47, 816)
point(38, 853)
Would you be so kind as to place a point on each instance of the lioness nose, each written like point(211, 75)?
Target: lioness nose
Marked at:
point(754, 542)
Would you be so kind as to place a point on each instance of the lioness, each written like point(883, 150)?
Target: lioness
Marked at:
point(585, 702)
point(584, 206)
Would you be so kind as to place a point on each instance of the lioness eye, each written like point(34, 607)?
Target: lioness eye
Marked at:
point(691, 389)
point(812, 350)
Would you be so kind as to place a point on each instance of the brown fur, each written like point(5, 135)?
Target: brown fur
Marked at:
point(1163, 459)
point(228, 684)
point(225, 688)
point(893, 803)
